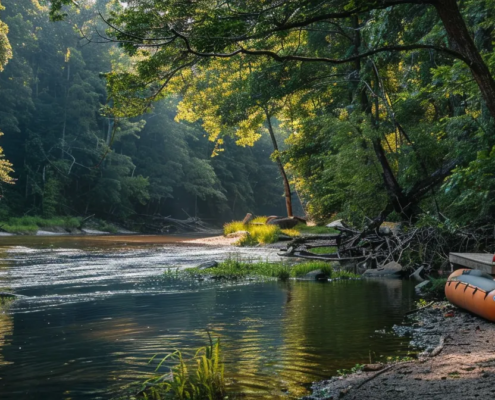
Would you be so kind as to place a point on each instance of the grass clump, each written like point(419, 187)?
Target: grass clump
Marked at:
point(302, 269)
point(291, 232)
point(323, 250)
point(257, 234)
point(234, 269)
point(317, 230)
point(353, 370)
point(28, 224)
point(343, 274)
point(198, 378)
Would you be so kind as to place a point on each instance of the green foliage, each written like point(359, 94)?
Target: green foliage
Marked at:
point(323, 250)
point(28, 224)
point(257, 234)
point(343, 274)
point(302, 269)
point(73, 156)
point(198, 378)
point(302, 228)
point(436, 289)
point(233, 268)
point(353, 370)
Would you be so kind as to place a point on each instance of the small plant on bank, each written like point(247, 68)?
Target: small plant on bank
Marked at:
point(233, 268)
point(199, 378)
point(353, 370)
point(343, 274)
point(323, 250)
point(257, 233)
point(291, 232)
point(302, 269)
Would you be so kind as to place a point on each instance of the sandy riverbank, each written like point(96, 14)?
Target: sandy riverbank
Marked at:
point(213, 241)
point(458, 363)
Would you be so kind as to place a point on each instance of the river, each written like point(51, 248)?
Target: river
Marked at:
point(96, 309)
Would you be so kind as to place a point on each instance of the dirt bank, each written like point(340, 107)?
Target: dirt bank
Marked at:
point(458, 362)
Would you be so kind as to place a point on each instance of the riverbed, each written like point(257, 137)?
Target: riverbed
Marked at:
point(96, 309)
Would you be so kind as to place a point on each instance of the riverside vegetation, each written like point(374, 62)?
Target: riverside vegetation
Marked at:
point(234, 269)
point(258, 232)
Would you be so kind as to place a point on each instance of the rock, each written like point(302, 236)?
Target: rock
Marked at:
point(247, 218)
point(336, 224)
point(238, 234)
point(208, 264)
point(392, 269)
point(316, 275)
point(419, 287)
point(416, 274)
point(284, 223)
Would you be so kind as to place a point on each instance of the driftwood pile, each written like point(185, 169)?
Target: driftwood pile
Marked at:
point(420, 248)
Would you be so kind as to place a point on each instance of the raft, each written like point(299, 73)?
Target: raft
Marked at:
point(472, 290)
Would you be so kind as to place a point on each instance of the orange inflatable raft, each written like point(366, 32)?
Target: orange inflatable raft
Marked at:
point(472, 290)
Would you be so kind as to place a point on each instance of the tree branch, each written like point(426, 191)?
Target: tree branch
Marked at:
point(280, 58)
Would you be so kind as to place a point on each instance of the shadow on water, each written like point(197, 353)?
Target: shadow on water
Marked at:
point(93, 319)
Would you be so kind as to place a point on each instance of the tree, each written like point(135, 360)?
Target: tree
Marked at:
point(185, 35)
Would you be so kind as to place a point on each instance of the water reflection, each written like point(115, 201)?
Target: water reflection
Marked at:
point(67, 340)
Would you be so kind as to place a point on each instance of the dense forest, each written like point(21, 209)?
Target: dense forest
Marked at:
point(382, 109)
point(70, 158)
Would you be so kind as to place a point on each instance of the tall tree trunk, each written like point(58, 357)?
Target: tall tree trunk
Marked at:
point(461, 41)
point(288, 194)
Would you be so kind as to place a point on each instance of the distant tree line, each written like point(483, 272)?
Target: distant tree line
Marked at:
point(70, 157)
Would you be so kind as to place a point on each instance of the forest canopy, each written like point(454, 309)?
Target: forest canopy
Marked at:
point(72, 158)
point(389, 104)
point(380, 109)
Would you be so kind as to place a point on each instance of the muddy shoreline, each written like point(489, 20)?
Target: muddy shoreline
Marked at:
point(457, 361)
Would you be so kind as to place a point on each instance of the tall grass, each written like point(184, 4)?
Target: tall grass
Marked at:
point(198, 378)
point(257, 234)
point(302, 269)
point(232, 269)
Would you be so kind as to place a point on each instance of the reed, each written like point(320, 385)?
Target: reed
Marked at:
point(198, 378)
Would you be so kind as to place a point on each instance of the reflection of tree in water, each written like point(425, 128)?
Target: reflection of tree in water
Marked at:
point(331, 326)
point(6, 330)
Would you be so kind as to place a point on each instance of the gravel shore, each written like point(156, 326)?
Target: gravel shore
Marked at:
point(457, 362)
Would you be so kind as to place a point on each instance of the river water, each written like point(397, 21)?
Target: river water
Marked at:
point(96, 309)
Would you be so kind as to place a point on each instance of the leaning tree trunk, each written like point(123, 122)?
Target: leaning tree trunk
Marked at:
point(461, 41)
point(287, 191)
